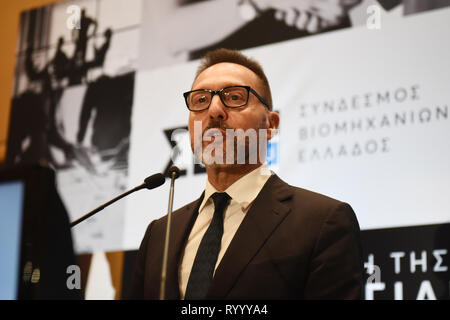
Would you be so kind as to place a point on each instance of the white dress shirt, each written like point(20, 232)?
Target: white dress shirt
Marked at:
point(242, 192)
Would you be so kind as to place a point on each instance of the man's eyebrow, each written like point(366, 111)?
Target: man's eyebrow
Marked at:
point(224, 85)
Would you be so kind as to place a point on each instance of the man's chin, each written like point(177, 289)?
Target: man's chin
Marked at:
point(210, 159)
point(213, 162)
point(219, 166)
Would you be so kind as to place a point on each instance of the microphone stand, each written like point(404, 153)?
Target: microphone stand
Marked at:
point(89, 214)
point(174, 173)
point(150, 183)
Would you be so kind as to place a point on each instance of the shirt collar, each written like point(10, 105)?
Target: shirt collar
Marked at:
point(244, 190)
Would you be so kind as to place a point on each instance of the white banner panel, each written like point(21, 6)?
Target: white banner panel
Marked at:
point(367, 124)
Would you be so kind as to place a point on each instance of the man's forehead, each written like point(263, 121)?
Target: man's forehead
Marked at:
point(226, 72)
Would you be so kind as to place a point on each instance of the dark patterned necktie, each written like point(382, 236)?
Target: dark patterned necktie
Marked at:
point(208, 251)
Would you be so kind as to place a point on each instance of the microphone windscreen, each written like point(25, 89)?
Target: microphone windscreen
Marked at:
point(154, 181)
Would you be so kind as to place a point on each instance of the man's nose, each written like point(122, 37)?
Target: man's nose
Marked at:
point(217, 111)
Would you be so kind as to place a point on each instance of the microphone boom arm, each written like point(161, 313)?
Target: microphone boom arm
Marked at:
point(151, 182)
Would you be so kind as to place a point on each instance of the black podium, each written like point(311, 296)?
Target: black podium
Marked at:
point(37, 244)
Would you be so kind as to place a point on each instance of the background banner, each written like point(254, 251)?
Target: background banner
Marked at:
point(364, 119)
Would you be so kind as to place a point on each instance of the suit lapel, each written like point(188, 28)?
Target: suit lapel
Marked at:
point(265, 214)
point(182, 222)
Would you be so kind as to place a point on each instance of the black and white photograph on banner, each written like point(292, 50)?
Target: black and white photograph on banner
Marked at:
point(72, 102)
point(181, 30)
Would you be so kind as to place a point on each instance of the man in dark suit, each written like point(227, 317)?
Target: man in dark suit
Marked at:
point(250, 235)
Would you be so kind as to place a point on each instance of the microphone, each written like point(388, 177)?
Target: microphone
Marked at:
point(151, 182)
point(174, 173)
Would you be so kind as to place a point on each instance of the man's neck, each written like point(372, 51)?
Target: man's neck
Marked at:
point(221, 177)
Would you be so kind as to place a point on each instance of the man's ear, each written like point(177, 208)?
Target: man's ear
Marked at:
point(274, 121)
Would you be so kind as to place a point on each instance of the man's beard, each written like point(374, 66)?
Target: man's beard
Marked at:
point(230, 146)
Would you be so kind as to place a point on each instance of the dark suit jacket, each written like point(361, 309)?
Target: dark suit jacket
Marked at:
point(292, 244)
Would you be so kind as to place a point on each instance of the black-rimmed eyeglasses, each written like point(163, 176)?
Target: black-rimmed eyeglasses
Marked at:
point(231, 97)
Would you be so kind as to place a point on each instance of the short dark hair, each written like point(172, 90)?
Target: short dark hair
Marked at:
point(233, 56)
